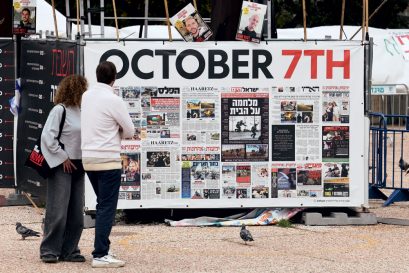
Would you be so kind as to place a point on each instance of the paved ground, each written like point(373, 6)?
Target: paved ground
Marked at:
point(159, 248)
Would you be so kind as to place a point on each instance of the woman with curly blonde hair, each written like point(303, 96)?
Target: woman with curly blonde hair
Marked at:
point(65, 186)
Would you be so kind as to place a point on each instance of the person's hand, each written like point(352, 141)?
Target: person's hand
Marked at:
point(122, 135)
point(68, 166)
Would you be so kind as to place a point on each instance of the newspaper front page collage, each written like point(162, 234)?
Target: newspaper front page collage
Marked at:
point(203, 142)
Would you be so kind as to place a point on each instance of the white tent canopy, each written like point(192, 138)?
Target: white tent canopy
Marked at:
point(45, 21)
point(390, 51)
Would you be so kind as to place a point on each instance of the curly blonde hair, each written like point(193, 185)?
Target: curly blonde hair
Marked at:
point(70, 90)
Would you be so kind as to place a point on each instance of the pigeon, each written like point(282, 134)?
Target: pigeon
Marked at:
point(404, 166)
point(26, 232)
point(245, 234)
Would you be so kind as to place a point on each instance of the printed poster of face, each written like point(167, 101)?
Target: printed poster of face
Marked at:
point(251, 22)
point(24, 17)
point(191, 25)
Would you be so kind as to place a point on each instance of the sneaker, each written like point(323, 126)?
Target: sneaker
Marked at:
point(107, 261)
point(110, 253)
point(49, 258)
point(76, 258)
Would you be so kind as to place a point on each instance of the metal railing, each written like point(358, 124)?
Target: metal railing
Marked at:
point(388, 145)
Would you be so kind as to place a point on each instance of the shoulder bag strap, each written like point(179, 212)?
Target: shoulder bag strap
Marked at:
point(61, 123)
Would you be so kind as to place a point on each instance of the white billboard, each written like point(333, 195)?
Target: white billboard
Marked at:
point(233, 124)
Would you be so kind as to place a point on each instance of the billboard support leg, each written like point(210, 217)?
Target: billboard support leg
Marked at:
point(396, 196)
point(375, 193)
point(19, 199)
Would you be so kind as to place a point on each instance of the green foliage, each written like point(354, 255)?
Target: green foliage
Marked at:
point(328, 12)
point(285, 223)
point(119, 215)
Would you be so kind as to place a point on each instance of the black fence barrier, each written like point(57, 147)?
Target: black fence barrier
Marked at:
point(43, 64)
point(6, 117)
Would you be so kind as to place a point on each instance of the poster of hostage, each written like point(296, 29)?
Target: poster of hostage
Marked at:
point(244, 127)
point(24, 16)
point(191, 25)
point(251, 22)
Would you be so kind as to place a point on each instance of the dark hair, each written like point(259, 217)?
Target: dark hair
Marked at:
point(188, 18)
point(106, 72)
point(26, 9)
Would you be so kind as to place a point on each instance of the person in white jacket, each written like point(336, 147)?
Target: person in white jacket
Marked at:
point(64, 220)
point(105, 121)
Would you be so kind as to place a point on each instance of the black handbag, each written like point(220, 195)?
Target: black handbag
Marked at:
point(36, 158)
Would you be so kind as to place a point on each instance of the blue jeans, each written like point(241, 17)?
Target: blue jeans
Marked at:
point(106, 187)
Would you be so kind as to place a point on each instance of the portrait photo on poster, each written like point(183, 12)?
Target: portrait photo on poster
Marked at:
point(191, 25)
point(251, 22)
point(24, 17)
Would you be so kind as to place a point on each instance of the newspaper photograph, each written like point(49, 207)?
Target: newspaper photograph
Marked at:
point(201, 172)
point(161, 116)
point(191, 25)
point(283, 180)
point(335, 104)
point(200, 116)
point(229, 181)
point(338, 188)
point(336, 179)
point(251, 22)
point(309, 180)
point(335, 143)
point(309, 174)
point(237, 181)
point(136, 120)
point(131, 95)
point(131, 170)
point(246, 180)
point(244, 119)
point(204, 175)
point(160, 164)
point(295, 107)
point(260, 180)
point(334, 170)
point(309, 193)
point(146, 94)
